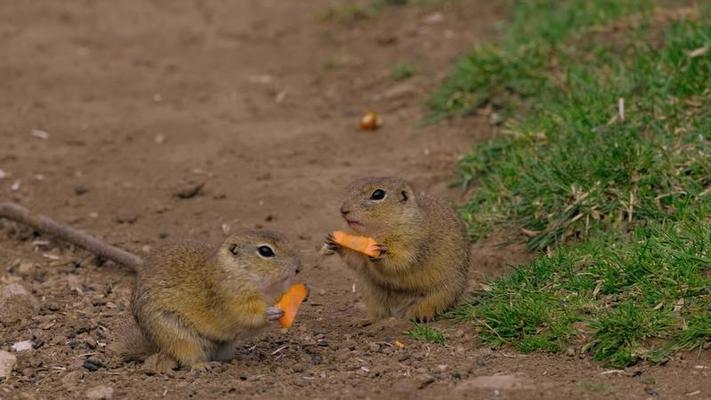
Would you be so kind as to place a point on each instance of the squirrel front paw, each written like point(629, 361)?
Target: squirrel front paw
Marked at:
point(330, 246)
point(274, 313)
point(381, 252)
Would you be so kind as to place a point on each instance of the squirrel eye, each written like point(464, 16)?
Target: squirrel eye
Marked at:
point(265, 251)
point(378, 194)
point(233, 249)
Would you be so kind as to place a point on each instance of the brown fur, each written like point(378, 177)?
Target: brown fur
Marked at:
point(191, 302)
point(424, 267)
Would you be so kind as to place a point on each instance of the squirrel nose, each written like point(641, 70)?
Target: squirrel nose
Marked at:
point(344, 210)
point(298, 269)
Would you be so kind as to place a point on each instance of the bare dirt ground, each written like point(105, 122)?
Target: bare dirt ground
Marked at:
point(259, 100)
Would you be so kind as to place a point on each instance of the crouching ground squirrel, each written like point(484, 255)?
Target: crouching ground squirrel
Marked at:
point(424, 252)
point(192, 300)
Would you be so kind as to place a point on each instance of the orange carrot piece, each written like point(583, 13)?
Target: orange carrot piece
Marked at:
point(290, 302)
point(361, 244)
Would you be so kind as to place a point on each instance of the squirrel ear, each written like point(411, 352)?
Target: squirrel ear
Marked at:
point(404, 195)
point(233, 249)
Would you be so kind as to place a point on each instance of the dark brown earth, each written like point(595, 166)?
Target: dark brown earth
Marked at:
point(258, 100)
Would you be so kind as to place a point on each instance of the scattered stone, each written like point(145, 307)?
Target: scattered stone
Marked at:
point(71, 380)
point(374, 347)
point(15, 186)
point(47, 325)
point(190, 192)
point(74, 284)
point(22, 346)
point(3, 174)
point(16, 303)
point(424, 380)
point(7, 363)
point(126, 218)
point(40, 134)
point(100, 392)
point(37, 343)
point(93, 364)
point(80, 190)
point(91, 342)
point(26, 269)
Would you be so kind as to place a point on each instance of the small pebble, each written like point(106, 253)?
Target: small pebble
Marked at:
point(93, 364)
point(7, 363)
point(100, 392)
point(91, 342)
point(22, 346)
point(80, 190)
point(424, 380)
point(40, 134)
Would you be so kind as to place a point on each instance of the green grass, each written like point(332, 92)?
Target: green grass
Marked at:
point(426, 333)
point(620, 202)
point(403, 70)
point(517, 68)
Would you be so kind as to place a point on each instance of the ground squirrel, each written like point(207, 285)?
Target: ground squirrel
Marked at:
point(424, 252)
point(192, 300)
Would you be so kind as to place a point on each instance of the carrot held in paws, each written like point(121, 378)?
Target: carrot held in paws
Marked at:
point(361, 244)
point(290, 302)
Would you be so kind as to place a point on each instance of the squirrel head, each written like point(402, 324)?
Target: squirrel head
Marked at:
point(262, 258)
point(379, 205)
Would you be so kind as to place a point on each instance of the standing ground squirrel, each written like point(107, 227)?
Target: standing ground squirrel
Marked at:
point(192, 300)
point(424, 252)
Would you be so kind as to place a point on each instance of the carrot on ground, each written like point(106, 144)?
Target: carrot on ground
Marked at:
point(290, 302)
point(361, 244)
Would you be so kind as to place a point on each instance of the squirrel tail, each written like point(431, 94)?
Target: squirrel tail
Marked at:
point(17, 213)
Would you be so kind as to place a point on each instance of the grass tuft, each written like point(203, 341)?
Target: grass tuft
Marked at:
point(426, 333)
point(606, 166)
point(403, 70)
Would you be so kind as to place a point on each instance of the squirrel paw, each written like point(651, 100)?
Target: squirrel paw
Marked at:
point(424, 319)
point(330, 246)
point(159, 363)
point(274, 313)
point(382, 250)
point(202, 368)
